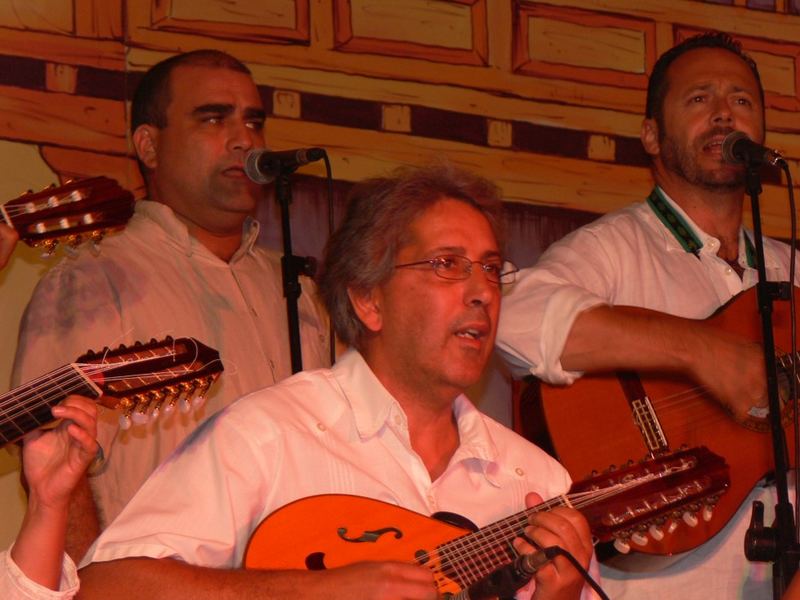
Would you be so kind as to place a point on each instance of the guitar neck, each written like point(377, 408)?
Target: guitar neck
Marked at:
point(27, 407)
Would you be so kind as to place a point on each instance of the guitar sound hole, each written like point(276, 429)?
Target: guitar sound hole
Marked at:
point(316, 561)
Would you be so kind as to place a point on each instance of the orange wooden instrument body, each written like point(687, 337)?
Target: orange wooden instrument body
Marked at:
point(591, 425)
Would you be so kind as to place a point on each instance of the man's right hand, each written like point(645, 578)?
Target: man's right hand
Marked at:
point(8, 239)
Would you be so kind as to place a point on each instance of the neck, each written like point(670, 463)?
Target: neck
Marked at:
point(432, 428)
point(718, 212)
point(223, 245)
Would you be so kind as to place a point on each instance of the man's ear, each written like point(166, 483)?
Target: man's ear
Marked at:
point(145, 142)
point(649, 137)
point(367, 306)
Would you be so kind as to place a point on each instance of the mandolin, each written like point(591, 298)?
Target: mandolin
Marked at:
point(327, 531)
point(72, 213)
point(141, 380)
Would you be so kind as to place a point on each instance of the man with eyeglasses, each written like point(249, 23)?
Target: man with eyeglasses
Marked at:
point(412, 280)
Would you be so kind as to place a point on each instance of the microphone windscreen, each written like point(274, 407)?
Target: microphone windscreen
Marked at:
point(252, 169)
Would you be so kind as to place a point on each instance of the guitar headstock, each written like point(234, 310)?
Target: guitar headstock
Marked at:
point(145, 380)
point(662, 494)
point(72, 213)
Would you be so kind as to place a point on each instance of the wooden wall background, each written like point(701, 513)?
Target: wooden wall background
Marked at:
point(544, 97)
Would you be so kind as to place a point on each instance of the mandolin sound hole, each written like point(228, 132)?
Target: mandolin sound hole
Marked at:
point(316, 561)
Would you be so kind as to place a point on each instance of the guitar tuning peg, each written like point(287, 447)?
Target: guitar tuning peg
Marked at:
point(639, 538)
point(125, 420)
point(672, 525)
point(690, 519)
point(170, 399)
point(656, 532)
point(140, 415)
point(622, 546)
point(708, 512)
point(51, 186)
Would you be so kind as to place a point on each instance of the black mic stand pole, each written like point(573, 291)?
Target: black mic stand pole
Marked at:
point(291, 266)
point(777, 543)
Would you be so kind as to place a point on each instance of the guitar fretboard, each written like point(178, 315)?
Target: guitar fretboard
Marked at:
point(27, 407)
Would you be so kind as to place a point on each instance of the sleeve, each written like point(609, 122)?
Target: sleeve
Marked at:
point(15, 585)
point(537, 313)
point(73, 309)
point(201, 504)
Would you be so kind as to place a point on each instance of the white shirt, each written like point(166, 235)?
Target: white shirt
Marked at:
point(327, 431)
point(15, 585)
point(625, 258)
point(149, 281)
point(630, 258)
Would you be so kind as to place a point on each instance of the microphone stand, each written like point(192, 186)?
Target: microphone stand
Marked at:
point(777, 543)
point(291, 266)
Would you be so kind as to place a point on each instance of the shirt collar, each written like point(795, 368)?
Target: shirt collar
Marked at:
point(164, 217)
point(375, 408)
point(686, 234)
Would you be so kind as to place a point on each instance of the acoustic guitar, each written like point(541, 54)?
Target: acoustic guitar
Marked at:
point(610, 419)
point(72, 213)
point(327, 531)
point(142, 380)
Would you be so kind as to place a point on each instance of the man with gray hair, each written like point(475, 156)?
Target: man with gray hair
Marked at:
point(412, 279)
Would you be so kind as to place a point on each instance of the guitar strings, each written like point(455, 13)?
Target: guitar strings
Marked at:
point(67, 379)
point(70, 385)
point(473, 547)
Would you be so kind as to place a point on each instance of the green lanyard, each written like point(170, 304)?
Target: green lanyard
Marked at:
point(681, 230)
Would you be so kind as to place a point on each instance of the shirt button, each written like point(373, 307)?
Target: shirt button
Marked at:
point(398, 420)
point(519, 471)
point(321, 427)
point(728, 271)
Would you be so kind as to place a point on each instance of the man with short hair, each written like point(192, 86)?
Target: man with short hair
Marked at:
point(623, 293)
point(186, 265)
point(413, 280)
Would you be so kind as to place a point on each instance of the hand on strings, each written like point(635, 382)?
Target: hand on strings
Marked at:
point(568, 529)
point(54, 460)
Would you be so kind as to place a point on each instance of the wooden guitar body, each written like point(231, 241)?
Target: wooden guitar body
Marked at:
point(592, 424)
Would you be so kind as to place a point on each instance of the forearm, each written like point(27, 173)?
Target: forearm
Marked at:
point(137, 578)
point(606, 338)
point(39, 548)
point(83, 524)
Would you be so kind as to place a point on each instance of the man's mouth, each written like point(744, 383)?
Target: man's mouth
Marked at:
point(470, 333)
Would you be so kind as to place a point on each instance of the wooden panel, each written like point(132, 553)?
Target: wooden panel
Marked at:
point(778, 73)
point(99, 19)
point(66, 50)
point(242, 20)
point(582, 45)
point(452, 31)
point(37, 15)
point(71, 164)
point(62, 119)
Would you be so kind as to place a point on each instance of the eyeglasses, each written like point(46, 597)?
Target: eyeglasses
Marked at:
point(456, 267)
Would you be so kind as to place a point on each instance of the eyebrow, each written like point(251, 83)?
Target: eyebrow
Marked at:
point(227, 109)
point(461, 251)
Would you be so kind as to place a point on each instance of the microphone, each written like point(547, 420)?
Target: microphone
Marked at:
point(262, 165)
point(737, 148)
point(507, 580)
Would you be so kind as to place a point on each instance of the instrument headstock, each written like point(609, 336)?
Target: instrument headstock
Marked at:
point(72, 213)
